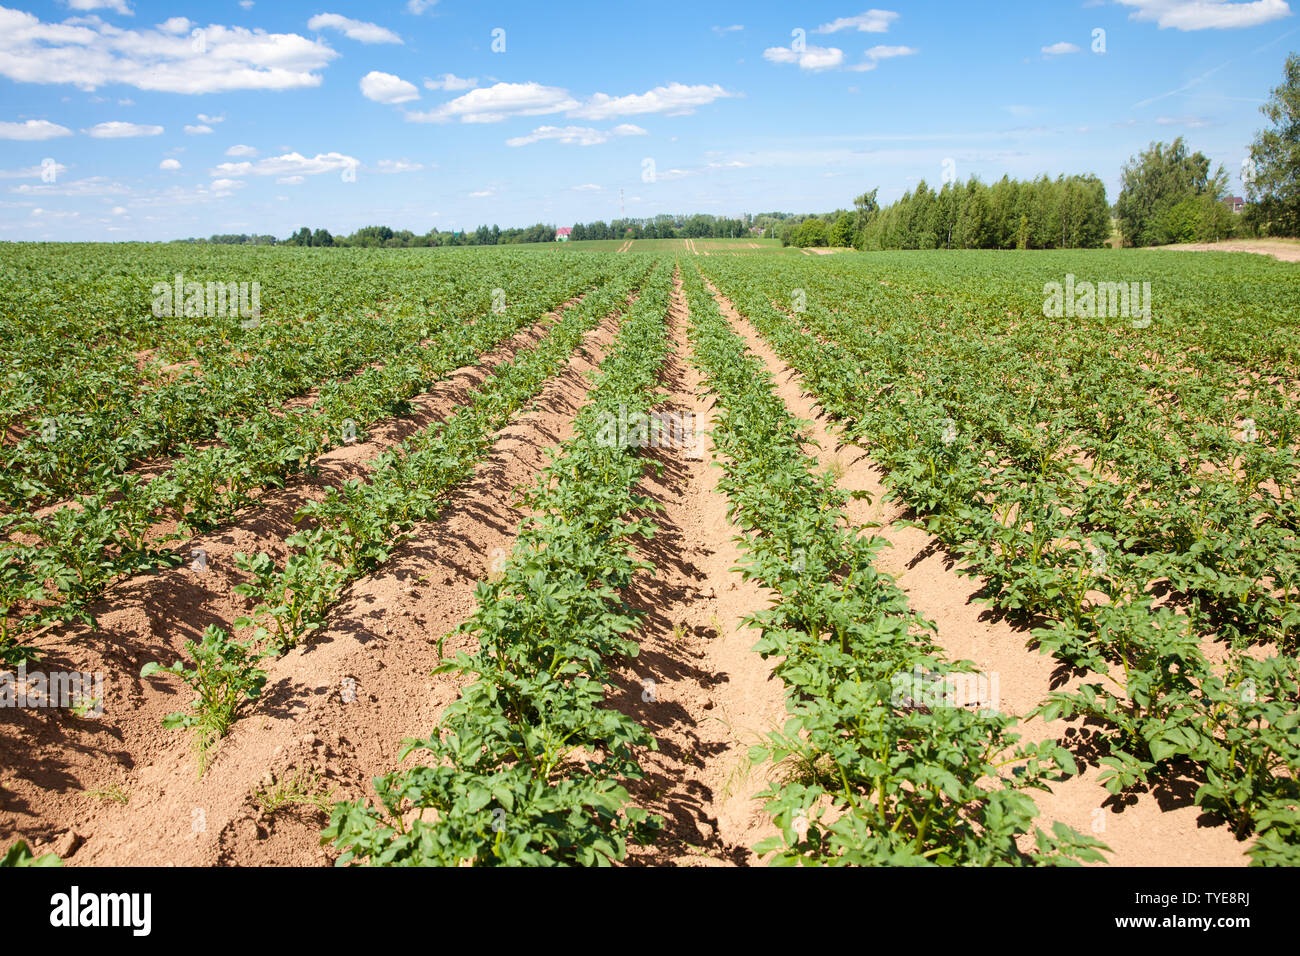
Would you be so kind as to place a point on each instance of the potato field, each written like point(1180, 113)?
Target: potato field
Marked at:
point(662, 553)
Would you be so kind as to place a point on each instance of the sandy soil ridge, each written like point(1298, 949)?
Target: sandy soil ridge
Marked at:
point(697, 685)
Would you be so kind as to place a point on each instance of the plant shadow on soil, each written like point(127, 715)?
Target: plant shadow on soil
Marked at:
point(671, 605)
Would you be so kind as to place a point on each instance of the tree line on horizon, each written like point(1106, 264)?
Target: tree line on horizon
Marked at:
point(698, 226)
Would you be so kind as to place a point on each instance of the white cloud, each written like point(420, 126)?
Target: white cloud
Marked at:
point(493, 104)
point(1191, 122)
point(873, 21)
point(419, 6)
point(32, 172)
point(481, 194)
point(241, 150)
point(1060, 49)
point(117, 6)
point(587, 187)
point(397, 166)
point(387, 88)
point(224, 186)
point(878, 53)
point(119, 210)
point(205, 118)
point(246, 4)
point(580, 135)
point(92, 186)
point(358, 30)
point(33, 130)
point(720, 31)
point(809, 58)
point(291, 180)
point(119, 130)
point(198, 130)
point(88, 53)
point(1208, 14)
point(675, 99)
point(290, 164)
point(889, 52)
point(451, 83)
point(170, 164)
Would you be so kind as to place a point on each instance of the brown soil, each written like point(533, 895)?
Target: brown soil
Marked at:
point(712, 697)
point(1281, 249)
point(56, 768)
point(1162, 828)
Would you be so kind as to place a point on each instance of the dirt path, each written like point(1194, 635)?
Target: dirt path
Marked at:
point(1281, 249)
point(1148, 829)
point(53, 762)
point(712, 697)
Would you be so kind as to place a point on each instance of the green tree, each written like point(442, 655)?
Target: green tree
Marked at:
point(974, 226)
point(1275, 153)
point(921, 219)
point(1157, 180)
point(947, 210)
point(866, 207)
point(842, 231)
point(810, 232)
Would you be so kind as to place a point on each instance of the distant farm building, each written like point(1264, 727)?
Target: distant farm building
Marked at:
point(1235, 203)
point(563, 233)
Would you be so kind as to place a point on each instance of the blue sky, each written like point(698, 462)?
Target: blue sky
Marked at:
point(125, 119)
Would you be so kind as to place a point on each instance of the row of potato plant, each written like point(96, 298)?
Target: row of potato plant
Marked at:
point(883, 768)
point(354, 529)
point(73, 426)
point(1131, 564)
point(351, 531)
point(56, 563)
point(83, 335)
point(528, 766)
